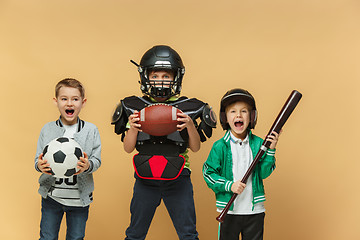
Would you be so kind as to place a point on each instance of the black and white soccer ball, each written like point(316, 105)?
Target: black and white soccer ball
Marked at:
point(63, 155)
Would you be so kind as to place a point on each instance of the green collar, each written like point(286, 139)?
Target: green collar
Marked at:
point(171, 99)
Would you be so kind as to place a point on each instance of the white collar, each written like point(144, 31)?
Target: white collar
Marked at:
point(238, 140)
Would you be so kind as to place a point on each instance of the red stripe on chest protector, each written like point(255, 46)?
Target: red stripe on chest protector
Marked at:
point(157, 165)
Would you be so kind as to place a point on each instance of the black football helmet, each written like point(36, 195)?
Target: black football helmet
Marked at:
point(233, 95)
point(161, 57)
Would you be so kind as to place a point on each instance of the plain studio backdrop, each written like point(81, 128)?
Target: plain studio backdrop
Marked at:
point(266, 47)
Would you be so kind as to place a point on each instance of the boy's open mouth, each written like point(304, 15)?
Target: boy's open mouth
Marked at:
point(69, 111)
point(238, 124)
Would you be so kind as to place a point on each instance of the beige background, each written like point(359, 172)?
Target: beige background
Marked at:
point(267, 47)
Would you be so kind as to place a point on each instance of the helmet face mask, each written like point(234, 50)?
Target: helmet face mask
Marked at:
point(161, 58)
point(160, 88)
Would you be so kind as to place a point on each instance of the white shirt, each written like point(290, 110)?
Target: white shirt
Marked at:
point(242, 158)
point(70, 130)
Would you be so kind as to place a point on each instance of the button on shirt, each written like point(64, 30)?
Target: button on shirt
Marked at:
point(242, 158)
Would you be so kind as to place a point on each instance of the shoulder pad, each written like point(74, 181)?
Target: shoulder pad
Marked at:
point(117, 113)
point(135, 103)
point(125, 108)
point(198, 109)
point(190, 106)
point(119, 118)
point(208, 116)
point(208, 122)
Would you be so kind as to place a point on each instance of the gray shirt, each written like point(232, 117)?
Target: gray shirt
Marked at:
point(88, 137)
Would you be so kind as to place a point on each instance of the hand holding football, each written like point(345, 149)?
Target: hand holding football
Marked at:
point(159, 119)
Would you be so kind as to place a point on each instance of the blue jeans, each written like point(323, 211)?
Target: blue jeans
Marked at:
point(178, 198)
point(52, 214)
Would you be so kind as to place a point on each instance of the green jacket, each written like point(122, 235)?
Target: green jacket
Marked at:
point(218, 169)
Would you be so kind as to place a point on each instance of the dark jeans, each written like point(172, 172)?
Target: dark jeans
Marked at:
point(178, 198)
point(251, 227)
point(52, 214)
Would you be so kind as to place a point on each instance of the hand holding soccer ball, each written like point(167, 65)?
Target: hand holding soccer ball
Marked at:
point(63, 158)
point(83, 164)
point(43, 165)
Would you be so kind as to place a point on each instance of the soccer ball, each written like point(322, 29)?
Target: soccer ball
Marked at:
point(63, 155)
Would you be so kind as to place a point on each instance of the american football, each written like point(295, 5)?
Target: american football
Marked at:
point(63, 155)
point(159, 119)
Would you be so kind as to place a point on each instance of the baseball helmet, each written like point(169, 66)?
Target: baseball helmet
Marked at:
point(161, 57)
point(233, 95)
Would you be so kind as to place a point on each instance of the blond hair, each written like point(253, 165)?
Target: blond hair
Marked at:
point(70, 82)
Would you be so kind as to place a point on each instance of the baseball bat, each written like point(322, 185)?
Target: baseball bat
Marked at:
point(283, 116)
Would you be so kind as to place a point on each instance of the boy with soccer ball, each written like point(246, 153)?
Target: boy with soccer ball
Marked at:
point(68, 195)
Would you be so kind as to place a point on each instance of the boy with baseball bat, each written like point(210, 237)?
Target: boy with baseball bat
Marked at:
point(228, 161)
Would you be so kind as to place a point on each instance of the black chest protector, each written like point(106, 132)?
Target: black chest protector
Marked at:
point(160, 157)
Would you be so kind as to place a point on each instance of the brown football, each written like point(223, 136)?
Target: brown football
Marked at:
point(159, 119)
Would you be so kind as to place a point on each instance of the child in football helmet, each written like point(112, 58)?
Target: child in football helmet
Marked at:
point(161, 72)
point(161, 58)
